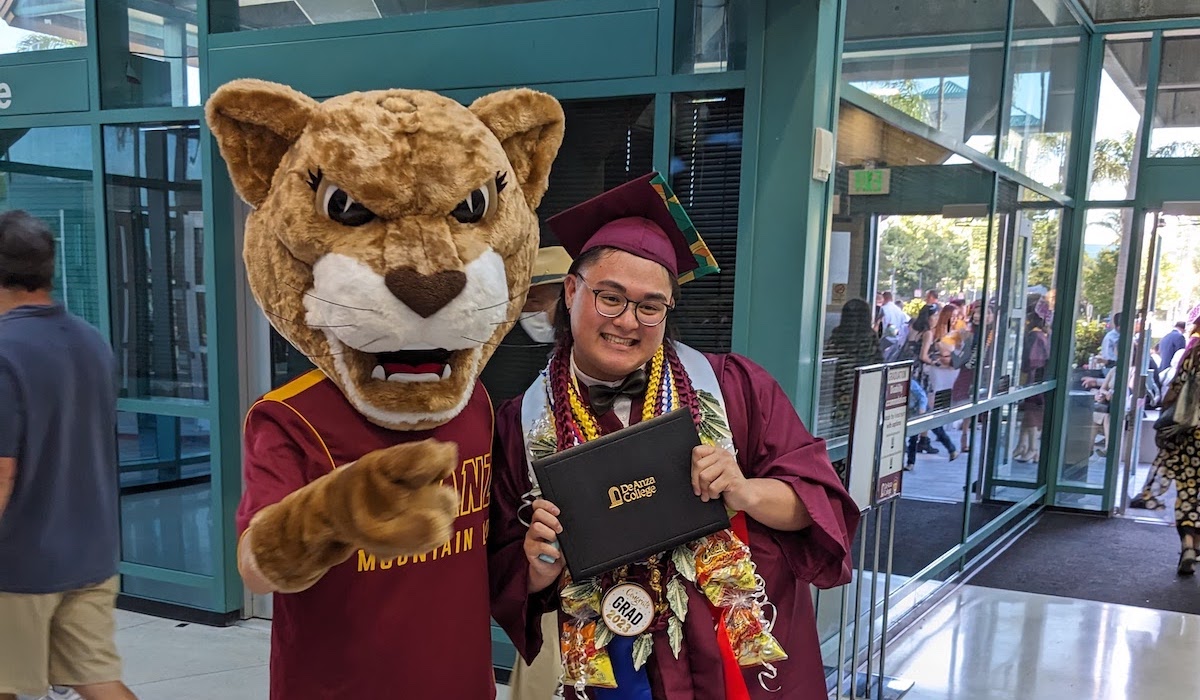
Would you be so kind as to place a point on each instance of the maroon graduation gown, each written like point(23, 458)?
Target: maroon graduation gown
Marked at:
point(771, 442)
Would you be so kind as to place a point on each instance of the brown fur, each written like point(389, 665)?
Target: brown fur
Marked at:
point(410, 157)
point(391, 502)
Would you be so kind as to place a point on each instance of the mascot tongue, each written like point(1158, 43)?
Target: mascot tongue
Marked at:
point(414, 361)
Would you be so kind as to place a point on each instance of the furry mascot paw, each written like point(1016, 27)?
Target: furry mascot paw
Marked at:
point(390, 502)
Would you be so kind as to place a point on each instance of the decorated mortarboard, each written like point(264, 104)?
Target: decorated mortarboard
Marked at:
point(643, 218)
point(550, 266)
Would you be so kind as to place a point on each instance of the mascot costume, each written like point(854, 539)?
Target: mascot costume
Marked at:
point(391, 242)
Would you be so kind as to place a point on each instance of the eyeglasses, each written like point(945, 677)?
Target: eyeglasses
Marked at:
point(611, 305)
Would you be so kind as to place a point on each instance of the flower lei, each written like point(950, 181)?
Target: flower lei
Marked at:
point(718, 565)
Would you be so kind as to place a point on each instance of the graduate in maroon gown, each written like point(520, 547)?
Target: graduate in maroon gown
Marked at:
point(727, 616)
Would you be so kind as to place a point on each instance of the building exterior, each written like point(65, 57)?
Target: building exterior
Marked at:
point(998, 153)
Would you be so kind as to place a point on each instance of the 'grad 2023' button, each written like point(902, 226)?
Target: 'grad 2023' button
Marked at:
point(627, 610)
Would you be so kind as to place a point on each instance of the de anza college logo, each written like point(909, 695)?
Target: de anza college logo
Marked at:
point(627, 493)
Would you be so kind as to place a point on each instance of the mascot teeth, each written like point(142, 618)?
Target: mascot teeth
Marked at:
point(413, 366)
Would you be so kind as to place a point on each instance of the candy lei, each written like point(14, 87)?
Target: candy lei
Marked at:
point(718, 565)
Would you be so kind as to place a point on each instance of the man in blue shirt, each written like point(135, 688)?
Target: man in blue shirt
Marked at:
point(59, 532)
point(1172, 342)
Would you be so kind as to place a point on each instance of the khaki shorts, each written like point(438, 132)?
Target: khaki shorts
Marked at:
point(61, 638)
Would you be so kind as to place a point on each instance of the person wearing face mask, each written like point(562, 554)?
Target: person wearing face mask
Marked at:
point(538, 679)
point(522, 353)
point(711, 633)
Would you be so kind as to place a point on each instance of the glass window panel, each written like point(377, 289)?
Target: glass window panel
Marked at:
point(151, 55)
point(156, 259)
point(1176, 132)
point(166, 494)
point(48, 173)
point(237, 15)
point(710, 36)
point(1114, 10)
point(1041, 14)
point(612, 142)
point(706, 166)
point(925, 232)
point(948, 70)
point(191, 596)
point(1089, 385)
point(1043, 72)
point(1119, 117)
point(39, 25)
point(1030, 257)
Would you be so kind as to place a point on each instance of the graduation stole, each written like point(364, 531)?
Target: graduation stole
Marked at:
point(718, 565)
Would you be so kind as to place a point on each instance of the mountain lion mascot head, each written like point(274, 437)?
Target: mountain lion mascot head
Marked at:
point(393, 232)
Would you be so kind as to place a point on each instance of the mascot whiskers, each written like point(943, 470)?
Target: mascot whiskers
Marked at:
point(391, 242)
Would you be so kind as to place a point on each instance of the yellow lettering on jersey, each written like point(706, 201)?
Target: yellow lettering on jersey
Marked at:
point(487, 480)
point(366, 562)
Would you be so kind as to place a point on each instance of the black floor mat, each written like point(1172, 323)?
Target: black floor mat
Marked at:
point(1111, 560)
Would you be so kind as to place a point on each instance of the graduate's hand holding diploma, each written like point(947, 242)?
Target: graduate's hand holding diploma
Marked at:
point(546, 561)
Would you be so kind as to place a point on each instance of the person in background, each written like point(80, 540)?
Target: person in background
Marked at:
point(1171, 343)
point(1108, 346)
point(854, 345)
point(894, 318)
point(938, 347)
point(1034, 358)
point(523, 352)
point(538, 679)
point(1178, 459)
point(59, 532)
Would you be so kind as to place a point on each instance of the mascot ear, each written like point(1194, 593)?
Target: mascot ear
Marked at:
point(529, 125)
point(255, 123)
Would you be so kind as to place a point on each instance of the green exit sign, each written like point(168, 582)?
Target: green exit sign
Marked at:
point(877, 181)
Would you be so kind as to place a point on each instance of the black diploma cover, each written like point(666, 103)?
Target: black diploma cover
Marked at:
point(628, 495)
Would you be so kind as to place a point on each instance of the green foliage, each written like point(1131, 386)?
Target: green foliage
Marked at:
point(44, 42)
point(1088, 336)
point(1099, 281)
point(906, 98)
point(1044, 247)
point(924, 252)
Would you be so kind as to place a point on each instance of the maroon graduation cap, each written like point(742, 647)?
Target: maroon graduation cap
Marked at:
point(643, 218)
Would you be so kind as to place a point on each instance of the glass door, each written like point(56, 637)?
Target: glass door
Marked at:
point(1167, 288)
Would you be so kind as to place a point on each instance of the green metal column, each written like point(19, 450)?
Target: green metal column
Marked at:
point(791, 90)
point(1074, 224)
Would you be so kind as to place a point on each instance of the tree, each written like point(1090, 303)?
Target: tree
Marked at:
point(1043, 251)
point(907, 98)
point(1099, 280)
point(923, 252)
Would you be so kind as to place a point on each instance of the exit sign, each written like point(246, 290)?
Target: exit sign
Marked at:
point(878, 181)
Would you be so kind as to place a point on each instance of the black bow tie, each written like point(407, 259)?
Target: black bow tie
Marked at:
point(602, 397)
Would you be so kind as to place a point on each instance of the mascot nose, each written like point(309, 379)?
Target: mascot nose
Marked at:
point(425, 294)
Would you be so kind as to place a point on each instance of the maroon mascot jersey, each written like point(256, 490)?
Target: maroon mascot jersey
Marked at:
point(375, 627)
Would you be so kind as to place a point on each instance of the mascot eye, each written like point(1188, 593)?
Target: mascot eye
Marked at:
point(334, 203)
point(479, 203)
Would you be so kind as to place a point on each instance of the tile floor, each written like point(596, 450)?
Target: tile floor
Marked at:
point(977, 644)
